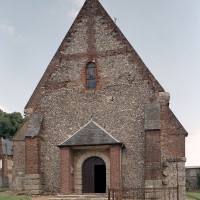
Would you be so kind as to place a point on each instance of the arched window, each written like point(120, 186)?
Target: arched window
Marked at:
point(91, 76)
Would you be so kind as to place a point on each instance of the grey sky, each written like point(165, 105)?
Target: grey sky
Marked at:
point(165, 33)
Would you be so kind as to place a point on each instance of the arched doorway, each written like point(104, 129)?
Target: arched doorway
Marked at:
point(94, 175)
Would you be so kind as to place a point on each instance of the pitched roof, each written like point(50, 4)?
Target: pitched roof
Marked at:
point(30, 127)
point(20, 134)
point(7, 147)
point(89, 135)
point(90, 10)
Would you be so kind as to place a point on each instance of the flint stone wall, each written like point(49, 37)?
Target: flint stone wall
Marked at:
point(118, 106)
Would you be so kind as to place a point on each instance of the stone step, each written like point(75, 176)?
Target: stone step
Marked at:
point(80, 197)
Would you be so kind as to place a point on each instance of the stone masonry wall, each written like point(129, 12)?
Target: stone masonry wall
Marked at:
point(19, 165)
point(119, 116)
point(191, 178)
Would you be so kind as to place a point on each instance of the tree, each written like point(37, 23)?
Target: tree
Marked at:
point(9, 123)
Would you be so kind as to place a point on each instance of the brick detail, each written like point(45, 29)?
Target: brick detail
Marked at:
point(153, 155)
point(173, 134)
point(32, 155)
point(115, 166)
point(83, 77)
point(66, 166)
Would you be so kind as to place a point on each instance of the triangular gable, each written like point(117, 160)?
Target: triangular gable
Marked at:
point(89, 135)
point(174, 125)
point(85, 17)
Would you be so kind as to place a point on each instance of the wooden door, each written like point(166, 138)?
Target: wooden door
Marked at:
point(94, 175)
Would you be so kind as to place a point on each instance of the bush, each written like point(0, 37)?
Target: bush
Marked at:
point(2, 189)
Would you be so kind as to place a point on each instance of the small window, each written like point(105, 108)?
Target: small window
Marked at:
point(91, 76)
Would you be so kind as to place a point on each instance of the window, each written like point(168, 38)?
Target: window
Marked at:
point(91, 76)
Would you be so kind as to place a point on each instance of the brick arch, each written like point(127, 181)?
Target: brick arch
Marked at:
point(79, 164)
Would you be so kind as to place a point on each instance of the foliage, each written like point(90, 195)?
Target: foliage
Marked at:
point(195, 195)
point(187, 185)
point(2, 189)
point(9, 123)
point(198, 179)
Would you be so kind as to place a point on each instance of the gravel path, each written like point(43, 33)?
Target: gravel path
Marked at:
point(8, 193)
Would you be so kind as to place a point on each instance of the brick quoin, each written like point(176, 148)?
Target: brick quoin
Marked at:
point(172, 137)
point(153, 155)
point(115, 166)
point(32, 155)
point(66, 176)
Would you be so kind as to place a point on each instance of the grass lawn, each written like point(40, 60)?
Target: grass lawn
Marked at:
point(14, 198)
point(195, 195)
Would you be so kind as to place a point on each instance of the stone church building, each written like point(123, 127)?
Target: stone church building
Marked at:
point(98, 118)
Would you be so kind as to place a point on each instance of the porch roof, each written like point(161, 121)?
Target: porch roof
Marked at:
point(90, 135)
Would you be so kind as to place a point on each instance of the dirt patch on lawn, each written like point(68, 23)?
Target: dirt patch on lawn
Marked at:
point(6, 193)
point(41, 197)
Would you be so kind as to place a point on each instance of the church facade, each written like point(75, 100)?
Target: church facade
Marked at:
point(98, 118)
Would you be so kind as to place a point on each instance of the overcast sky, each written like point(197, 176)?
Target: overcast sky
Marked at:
point(165, 33)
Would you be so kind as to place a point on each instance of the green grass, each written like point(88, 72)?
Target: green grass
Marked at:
point(14, 198)
point(195, 195)
point(3, 189)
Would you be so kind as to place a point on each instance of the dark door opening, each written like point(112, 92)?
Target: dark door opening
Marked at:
point(94, 176)
point(100, 178)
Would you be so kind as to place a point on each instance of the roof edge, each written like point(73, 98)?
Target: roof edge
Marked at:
point(89, 145)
